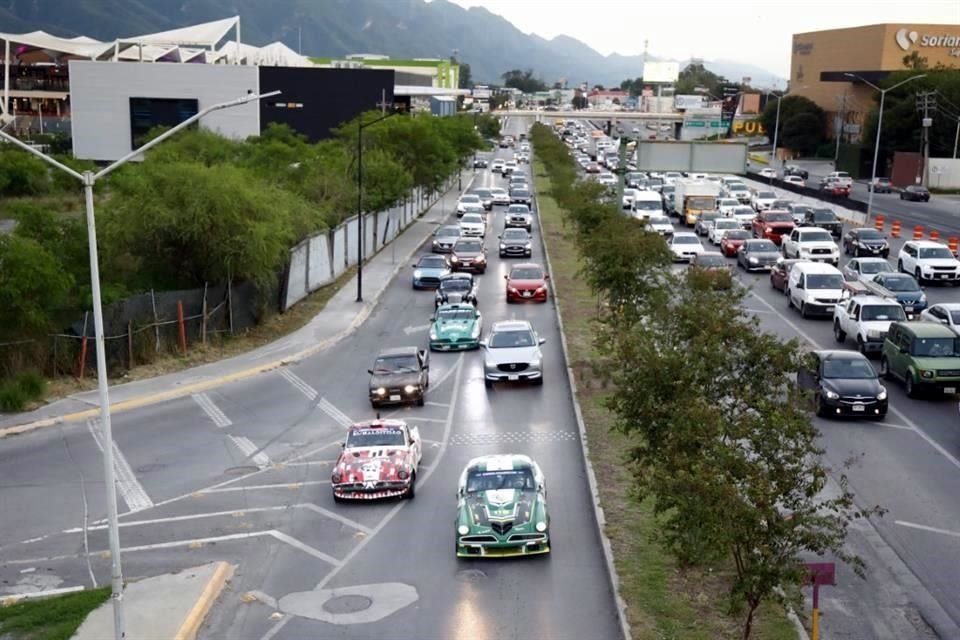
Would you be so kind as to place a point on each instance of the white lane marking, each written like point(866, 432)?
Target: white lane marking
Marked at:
point(299, 384)
point(195, 516)
point(396, 509)
point(307, 463)
point(6, 600)
point(446, 375)
point(757, 310)
point(437, 404)
point(911, 425)
point(297, 544)
point(261, 459)
point(212, 410)
point(275, 629)
point(420, 328)
point(270, 601)
point(888, 425)
point(259, 487)
point(131, 490)
point(419, 419)
point(338, 416)
point(28, 570)
point(923, 527)
point(326, 513)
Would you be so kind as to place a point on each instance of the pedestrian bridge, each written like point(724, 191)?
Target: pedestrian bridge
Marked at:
point(591, 115)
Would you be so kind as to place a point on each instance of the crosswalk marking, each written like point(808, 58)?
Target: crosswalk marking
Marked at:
point(339, 416)
point(212, 410)
point(261, 459)
point(130, 489)
point(299, 383)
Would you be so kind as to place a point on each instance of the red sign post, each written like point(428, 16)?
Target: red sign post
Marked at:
point(821, 573)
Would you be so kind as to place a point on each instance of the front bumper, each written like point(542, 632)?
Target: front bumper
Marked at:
point(867, 250)
point(940, 276)
point(380, 490)
point(472, 266)
point(395, 396)
point(820, 308)
point(515, 252)
point(494, 374)
point(426, 283)
point(846, 408)
point(517, 222)
point(456, 344)
point(527, 295)
point(827, 258)
point(873, 345)
point(473, 546)
point(940, 386)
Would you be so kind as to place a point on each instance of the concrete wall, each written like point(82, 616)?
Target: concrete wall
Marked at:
point(944, 173)
point(100, 95)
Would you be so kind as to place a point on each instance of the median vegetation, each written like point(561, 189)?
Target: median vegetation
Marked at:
point(54, 618)
point(711, 476)
point(200, 209)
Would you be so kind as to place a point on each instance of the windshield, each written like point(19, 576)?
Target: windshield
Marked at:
point(936, 252)
point(848, 368)
point(518, 209)
point(669, 189)
point(448, 231)
point(472, 218)
point(456, 314)
point(456, 284)
point(816, 236)
point(738, 187)
point(515, 234)
point(869, 234)
point(655, 181)
point(511, 339)
point(900, 283)
point(526, 273)
point(376, 437)
point(780, 204)
point(710, 261)
point(778, 217)
point(395, 364)
point(726, 224)
point(877, 312)
point(482, 193)
point(660, 220)
point(701, 203)
point(762, 246)
point(744, 211)
point(520, 193)
point(728, 202)
point(468, 246)
point(825, 216)
point(498, 480)
point(870, 268)
point(737, 234)
point(767, 195)
point(497, 191)
point(432, 262)
point(686, 240)
point(824, 281)
point(470, 199)
point(936, 347)
point(647, 205)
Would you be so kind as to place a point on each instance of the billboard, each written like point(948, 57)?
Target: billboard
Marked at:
point(686, 101)
point(661, 71)
point(481, 92)
point(708, 157)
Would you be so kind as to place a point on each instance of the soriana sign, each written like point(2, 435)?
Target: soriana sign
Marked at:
point(908, 38)
point(748, 128)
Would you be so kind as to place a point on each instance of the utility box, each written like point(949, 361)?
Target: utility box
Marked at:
point(443, 105)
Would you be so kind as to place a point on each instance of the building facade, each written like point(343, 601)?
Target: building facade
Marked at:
point(820, 60)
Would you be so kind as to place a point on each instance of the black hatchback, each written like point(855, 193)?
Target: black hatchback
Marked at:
point(843, 384)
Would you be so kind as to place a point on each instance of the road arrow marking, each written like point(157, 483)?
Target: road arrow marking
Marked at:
point(416, 329)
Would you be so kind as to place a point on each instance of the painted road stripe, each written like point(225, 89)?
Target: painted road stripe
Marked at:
point(333, 515)
point(212, 410)
point(299, 384)
point(296, 544)
point(261, 459)
point(130, 489)
point(922, 527)
point(258, 487)
point(339, 416)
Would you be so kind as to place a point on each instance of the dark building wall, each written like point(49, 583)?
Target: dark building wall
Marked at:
point(315, 101)
point(413, 79)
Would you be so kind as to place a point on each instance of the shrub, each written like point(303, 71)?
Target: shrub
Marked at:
point(17, 392)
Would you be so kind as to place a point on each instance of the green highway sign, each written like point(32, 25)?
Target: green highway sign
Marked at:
point(713, 124)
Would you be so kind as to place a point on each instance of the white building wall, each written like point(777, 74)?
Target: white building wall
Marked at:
point(100, 95)
point(944, 173)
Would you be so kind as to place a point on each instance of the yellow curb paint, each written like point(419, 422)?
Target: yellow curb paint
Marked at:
point(191, 624)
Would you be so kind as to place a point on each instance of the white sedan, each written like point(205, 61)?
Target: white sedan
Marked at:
point(660, 224)
point(767, 172)
point(945, 313)
point(473, 225)
point(685, 245)
point(726, 206)
point(795, 180)
point(720, 228)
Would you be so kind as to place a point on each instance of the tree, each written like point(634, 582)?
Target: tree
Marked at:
point(802, 132)
point(32, 284)
point(580, 101)
point(525, 81)
point(466, 75)
point(22, 174)
point(488, 126)
point(914, 61)
point(791, 106)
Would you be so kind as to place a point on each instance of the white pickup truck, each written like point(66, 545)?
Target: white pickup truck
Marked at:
point(866, 319)
point(811, 243)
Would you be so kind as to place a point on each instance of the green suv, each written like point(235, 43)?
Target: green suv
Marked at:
point(925, 355)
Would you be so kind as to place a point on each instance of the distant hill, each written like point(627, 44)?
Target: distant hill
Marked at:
point(333, 28)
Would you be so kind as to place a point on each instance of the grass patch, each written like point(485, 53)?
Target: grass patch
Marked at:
point(663, 600)
point(21, 390)
point(56, 618)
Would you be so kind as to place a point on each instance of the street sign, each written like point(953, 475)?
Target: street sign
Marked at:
point(822, 573)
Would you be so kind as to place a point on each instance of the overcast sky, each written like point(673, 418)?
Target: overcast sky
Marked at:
point(753, 31)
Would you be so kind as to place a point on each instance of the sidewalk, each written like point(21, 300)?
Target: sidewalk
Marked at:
point(341, 316)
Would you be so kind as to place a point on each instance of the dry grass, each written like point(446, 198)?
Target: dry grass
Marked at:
point(663, 601)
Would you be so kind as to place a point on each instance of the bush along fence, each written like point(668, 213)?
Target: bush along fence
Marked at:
point(140, 328)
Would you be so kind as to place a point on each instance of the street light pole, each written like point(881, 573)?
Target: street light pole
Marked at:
point(776, 132)
point(89, 179)
point(876, 145)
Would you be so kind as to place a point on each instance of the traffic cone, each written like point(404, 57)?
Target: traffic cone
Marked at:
point(953, 243)
point(934, 236)
point(878, 223)
point(895, 229)
point(918, 232)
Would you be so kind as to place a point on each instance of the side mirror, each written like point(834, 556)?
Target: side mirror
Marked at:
point(433, 318)
point(343, 445)
point(546, 276)
point(506, 276)
point(542, 341)
point(904, 350)
point(483, 343)
point(370, 371)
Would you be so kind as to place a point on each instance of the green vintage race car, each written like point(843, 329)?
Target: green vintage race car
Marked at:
point(456, 326)
point(502, 508)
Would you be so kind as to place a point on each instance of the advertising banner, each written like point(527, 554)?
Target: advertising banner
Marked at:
point(688, 102)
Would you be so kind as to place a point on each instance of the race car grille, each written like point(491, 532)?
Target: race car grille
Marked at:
point(948, 373)
point(501, 527)
point(469, 539)
point(513, 366)
point(527, 537)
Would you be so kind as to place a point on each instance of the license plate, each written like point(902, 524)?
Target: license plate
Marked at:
point(908, 309)
point(444, 347)
point(941, 275)
point(527, 294)
point(950, 390)
point(394, 398)
point(858, 407)
point(513, 378)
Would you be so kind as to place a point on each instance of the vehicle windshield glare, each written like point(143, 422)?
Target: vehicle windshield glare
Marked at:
point(456, 314)
point(474, 218)
point(870, 268)
point(901, 283)
point(869, 234)
point(936, 347)
point(432, 262)
point(825, 216)
point(824, 281)
point(677, 239)
point(660, 220)
point(511, 339)
point(468, 246)
point(647, 205)
point(526, 273)
point(376, 437)
point(737, 234)
point(778, 217)
point(847, 368)
point(478, 481)
point(940, 253)
point(395, 364)
point(515, 234)
point(761, 246)
point(448, 231)
point(817, 236)
point(876, 313)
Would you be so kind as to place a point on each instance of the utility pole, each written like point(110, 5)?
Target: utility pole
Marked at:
point(839, 126)
point(926, 100)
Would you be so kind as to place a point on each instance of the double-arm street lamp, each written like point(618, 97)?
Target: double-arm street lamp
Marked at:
point(88, 179)
point(876, 146)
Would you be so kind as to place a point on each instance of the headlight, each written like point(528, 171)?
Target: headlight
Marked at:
point(541, 526)
point(454, 259)
point(923, 298)
point(480, 258)
point(336, 477)
point(535, 362)
point(926, 374)
point(433, 334)
point(381, 391)
point(831, 395)
point(874, 334)
point(882, 395)
point(403, 474)
point(753, 261)
point(409, 388)
point(417, 274)
point(463, 529)
point(513, 290)
point(502, 246)
point(527, 246)
point(476, 330)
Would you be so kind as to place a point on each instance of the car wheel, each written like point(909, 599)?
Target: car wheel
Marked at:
point(839, 334)
point(861, 345)
point(789, 298)
point(421, 400)
point(900, 266)
point(821, 410)
point(337, 499)
point(885, 372)
point(885, 254)
point(901, 196)
point(488, 383)
point(501, 254)
point(412, 491)
point(803, 309)
point(538, 382)
point(910, 387)
point(918, 275)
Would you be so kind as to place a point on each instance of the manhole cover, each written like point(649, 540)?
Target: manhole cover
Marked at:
point(471, 575)
point(347, 604)
point(148, 468)
point(239, 471)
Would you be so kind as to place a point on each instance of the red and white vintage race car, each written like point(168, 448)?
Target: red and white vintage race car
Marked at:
point(380, 459)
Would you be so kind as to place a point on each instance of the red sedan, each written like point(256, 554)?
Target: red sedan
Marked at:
point(526, 283)
point(732, 241)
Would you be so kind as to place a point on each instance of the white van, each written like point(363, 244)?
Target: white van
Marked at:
point(815, 288)
point(647, 204)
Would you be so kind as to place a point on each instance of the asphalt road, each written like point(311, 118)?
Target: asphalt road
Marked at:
point(242, 474)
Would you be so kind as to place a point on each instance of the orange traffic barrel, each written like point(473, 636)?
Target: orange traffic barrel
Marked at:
point(895, 229)
point(878, 223)
point(918, 232)
point(934, 236)
point(953, 244)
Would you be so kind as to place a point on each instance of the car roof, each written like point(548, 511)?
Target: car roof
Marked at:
point(500, 461)
point(398, 351)
point(928, 329)
point(871, 299)
point(805, 229)
point(377, 423)
point(925, 244)
point(511, 325)
point(841, 354)
point(457, 306)
point(817, 267)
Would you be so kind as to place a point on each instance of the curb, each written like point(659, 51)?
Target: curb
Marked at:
point(599, 516)
point(191, 624)
point(163, 396)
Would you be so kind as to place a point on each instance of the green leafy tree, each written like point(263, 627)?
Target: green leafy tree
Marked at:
point(802, 132)
point(22, 174)
point(790, 107)
point(385, 180)
point(488, 126)
point(32, 284)
point(525, 81)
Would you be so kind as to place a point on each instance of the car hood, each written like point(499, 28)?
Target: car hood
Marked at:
point(467, 254)
point(905, 296)
point(926, 363)
point(454, 327)
point(764, 255)
point(514, 242)
point(779, 226)
point(939, 262)
point(393, 379)
point(819, 245)
point(472, 225)
point(504, 355)
point(525, 284)
point(432, 271)
point(518, 506)
point(868, 388)
point(371, 464)
point(876, 325)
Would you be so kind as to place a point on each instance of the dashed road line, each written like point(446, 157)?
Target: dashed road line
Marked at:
point(299, 384)
point(443, 405)
point(923, 527)
point(212, 410)
point(338, 416)
point(130, 489)
point(259, 458)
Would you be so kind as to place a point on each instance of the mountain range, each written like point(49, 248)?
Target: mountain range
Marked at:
point(335, 28)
